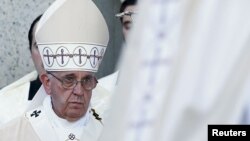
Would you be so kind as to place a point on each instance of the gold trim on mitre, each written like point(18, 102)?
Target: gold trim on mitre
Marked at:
point(72, 35)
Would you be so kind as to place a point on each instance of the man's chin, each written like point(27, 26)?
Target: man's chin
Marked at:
point(74, 115)
point(73, 118)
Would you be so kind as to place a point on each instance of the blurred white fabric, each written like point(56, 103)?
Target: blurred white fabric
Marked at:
point(186, 66)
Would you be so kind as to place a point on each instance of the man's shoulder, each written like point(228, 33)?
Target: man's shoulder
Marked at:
point(36, 116)
point(14, 122)
point(14, 99)
point(109, 82)
point(12, 106)
point(100, 101)
point(18, 129)
point(110, 77)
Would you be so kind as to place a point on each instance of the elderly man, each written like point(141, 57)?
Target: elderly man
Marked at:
point(72, 46)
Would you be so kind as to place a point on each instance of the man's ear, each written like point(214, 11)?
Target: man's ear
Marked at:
point(44, 77)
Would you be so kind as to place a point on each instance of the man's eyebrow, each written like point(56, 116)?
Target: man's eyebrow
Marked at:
point(73, 76)
point(69, 75)
point(87, 76)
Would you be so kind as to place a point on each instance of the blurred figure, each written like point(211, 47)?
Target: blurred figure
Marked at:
point(185, 67)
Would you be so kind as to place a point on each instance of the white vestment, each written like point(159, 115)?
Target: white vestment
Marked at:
point(103, 94)
point(109, 82)
point(14, 98)
point(42, 124)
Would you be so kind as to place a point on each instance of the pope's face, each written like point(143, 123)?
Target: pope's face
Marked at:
point(69, 103)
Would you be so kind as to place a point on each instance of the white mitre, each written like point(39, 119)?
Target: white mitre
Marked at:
point(72, 35)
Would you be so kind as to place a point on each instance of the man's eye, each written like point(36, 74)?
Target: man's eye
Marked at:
point(68, 80)
point(88, 78)
point(127, 26)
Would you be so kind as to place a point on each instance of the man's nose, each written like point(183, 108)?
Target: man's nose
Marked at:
point(78, 89)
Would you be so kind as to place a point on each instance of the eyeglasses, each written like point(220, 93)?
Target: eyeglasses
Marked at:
point(88, 83)
point(126, 13)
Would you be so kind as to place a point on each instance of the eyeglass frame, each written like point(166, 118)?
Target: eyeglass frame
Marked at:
point(125, 13)
point(75, 82)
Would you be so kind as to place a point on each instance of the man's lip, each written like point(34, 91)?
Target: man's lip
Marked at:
point(75, 105)
point(76, 102)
